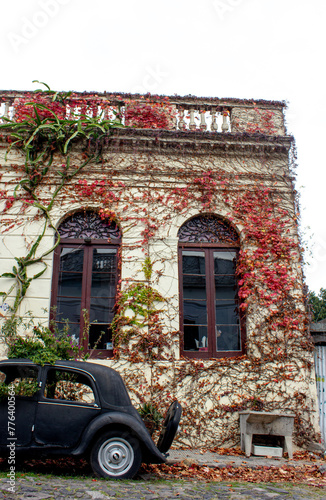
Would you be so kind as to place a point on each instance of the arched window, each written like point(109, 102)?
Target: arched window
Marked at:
point(209, 309)
point(85, 279)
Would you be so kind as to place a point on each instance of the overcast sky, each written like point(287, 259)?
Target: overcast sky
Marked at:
point(262, 49)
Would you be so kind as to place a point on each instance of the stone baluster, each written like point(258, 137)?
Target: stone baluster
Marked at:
point(225, 125)
point(182, 123)
point(7, 106)
point(90, 111)
point(103, 113)
point(6, 111)
point(192, 124)
point(203, 125)
point(214, 125)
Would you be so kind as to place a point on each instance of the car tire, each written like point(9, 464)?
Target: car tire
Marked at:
point(169, 427)
point(116, 455)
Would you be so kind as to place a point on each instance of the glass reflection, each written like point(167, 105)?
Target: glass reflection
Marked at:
point(195, 312)
point(228, 338)
point(104, 259)
point(101, 309)
point(193, 262)
point(224, 262)
point(70, 284)
point(71, 259)
point(226, 312)
point(68, 308)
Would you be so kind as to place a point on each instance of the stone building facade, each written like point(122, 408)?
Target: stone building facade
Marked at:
point(172, 250)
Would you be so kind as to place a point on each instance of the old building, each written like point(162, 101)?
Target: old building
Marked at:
point(167, 238)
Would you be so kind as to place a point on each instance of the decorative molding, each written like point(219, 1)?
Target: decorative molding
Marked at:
point(81, 225)
point(207, 229)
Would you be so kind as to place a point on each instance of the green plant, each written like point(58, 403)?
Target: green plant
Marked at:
point(317, 302)
point(151, 416)
point(41, 128)
point(43, 345)
point(21, 388)
point(138, 319)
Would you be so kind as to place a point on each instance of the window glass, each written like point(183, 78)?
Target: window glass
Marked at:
point(69, 386)
point(228, 338)
point(194, 300)
point(195, 337)
point(208, 288)
point(85, 285)
point(71, 260)
point(22, 378)
point(224, 262)
point(193, 262)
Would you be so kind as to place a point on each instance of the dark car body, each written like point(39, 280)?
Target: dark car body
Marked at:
point(78, 408)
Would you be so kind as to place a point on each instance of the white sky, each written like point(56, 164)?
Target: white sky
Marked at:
point(262, 49)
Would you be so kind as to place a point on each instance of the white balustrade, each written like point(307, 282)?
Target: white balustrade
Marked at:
point(6, 111)
point(201, 117)
point(204, 119)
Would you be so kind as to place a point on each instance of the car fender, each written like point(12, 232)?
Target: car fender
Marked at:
point(150, 453)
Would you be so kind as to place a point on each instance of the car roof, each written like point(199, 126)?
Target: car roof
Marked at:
point(109, 382)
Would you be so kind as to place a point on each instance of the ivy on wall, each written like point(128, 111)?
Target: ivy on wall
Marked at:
point(153, 192)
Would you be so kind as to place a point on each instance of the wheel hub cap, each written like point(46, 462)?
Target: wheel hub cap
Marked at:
point(116, 456)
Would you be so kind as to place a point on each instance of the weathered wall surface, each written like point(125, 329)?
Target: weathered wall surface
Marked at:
point(151, 193)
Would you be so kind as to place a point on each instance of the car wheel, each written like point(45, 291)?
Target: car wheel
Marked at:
point(116, 455)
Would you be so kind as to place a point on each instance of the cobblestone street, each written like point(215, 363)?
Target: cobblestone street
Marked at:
point(43, 488)
point(43, 484)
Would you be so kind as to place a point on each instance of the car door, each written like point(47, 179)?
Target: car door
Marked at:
point(66, 406)
point(17, 413)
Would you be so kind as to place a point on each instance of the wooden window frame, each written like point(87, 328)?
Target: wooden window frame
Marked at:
point(86, 243)
point(208, 249)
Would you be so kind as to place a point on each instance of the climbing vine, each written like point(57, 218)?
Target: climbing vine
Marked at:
point(69, 161)
point(42, 126)
point(137, 329)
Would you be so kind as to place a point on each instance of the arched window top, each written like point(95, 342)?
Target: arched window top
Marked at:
point(208, 229)
point(88, 224)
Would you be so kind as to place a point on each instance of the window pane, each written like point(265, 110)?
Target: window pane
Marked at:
point(104, 259)
point(69, 386)
point(87, 279)
point(193, 262)
point(70, 284)
point(71, 259)
point(224, 291)
point(194, 287)
point(226, 312)
point(195, 312)
point(228, 338)
point(101, 309)
point(195, 338)
point(100, 336)
point(68, 308)
point(24, 379)
point(73, 330)
point(225, 279)
point(224, 262)
point(103, 283)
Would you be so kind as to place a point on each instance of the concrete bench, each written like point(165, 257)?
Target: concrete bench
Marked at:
point(266, 423)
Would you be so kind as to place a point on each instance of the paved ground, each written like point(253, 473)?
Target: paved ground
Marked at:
point(215, 460)
point(145, 487)
point(44, 488)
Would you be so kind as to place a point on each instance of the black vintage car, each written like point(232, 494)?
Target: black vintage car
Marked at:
point(81, 409)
